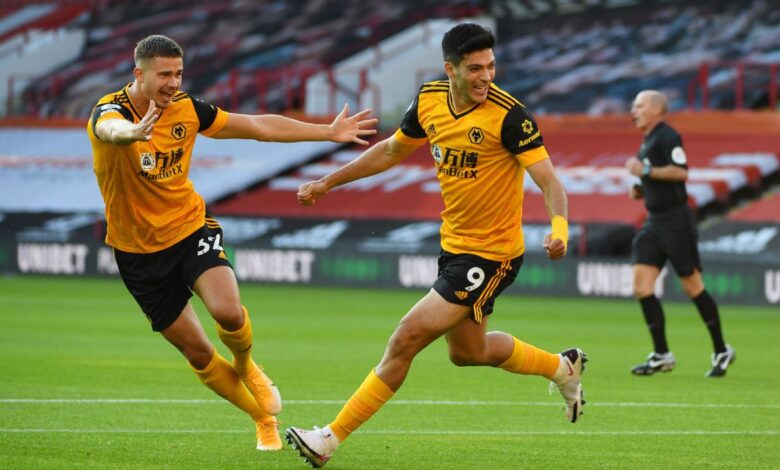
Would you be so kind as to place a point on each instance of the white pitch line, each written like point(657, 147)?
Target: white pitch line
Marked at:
point(693, 432)
point(152, 401)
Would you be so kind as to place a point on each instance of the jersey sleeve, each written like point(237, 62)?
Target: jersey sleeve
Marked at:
point(212, 119)
point(105, 111)
point(410, 124)
point(521, 136)
point(670, 146)
point(519, 132)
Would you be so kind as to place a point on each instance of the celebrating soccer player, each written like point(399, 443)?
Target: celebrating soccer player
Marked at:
point(165, 245)
point(482, 142)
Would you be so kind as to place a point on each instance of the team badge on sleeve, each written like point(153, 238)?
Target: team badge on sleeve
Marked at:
point(678, 156)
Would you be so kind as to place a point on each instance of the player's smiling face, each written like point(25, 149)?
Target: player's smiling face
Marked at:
point(160, 79)
point(470, 80)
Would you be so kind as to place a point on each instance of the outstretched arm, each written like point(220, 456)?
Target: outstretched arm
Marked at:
point(275, 128)
point(124, 132)
point(543, 174)
point(374, 160)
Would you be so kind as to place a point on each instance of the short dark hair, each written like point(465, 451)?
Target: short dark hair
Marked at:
point(465, 38)
point(157, 45)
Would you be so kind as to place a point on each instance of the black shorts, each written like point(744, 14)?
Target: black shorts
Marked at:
point(669, 235)
point(162, 282)
point(467, 279)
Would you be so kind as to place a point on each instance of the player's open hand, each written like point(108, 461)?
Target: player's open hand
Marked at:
point(554, 247)
point(308, 193)
point(347, 128)
point(143, 129)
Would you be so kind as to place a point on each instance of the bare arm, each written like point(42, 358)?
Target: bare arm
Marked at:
point(555, 201)
point(124, 132)
point(544, 176)
point(376, 159)
point(275, 128)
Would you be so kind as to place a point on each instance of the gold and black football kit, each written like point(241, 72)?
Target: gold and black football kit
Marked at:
point(157, 224)
point(480, 156)
point(162, 282)
point(150, 201)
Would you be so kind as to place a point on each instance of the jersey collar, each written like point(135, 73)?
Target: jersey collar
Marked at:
point(451, 106)
point(126, 92)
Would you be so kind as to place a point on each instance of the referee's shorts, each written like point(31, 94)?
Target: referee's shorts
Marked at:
point(669, 235)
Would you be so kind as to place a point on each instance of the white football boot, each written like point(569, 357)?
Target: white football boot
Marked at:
point(567, 381)
point(315, 446)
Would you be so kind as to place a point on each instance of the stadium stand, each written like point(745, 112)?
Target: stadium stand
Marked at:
point(589, 154)
point(21, 20)
point(557, 56)
point(726, 169)
point(765, 209)
point(596, 60)
point(234, 45)
point(59, 163)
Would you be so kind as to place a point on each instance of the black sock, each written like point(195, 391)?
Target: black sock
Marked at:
point(709, 313)
point(654, 317)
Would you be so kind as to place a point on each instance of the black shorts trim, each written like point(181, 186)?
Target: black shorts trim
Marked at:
point(467, 279)
point(162, 282)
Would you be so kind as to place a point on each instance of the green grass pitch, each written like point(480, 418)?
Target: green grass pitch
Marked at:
point(86, 384)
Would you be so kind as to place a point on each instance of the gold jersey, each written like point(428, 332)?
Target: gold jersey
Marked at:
point(480, 156)
point(150, 201)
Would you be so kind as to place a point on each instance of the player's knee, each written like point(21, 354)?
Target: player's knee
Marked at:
point(643, 289)
point(462, 359)
point(406, 342)
point(228, 314)
point(401, 341)
point(199, 356)
point(692, 285)
point(692, 290)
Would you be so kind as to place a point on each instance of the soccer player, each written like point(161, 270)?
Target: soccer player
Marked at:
point(165, 245)
point(482, 143)
point(669, 233)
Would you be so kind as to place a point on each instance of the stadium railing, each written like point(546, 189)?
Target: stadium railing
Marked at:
point(735, 80)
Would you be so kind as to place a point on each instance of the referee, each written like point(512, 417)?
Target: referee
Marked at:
point(669, 233)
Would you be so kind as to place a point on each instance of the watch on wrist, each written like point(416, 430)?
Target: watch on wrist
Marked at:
point(646, 169)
